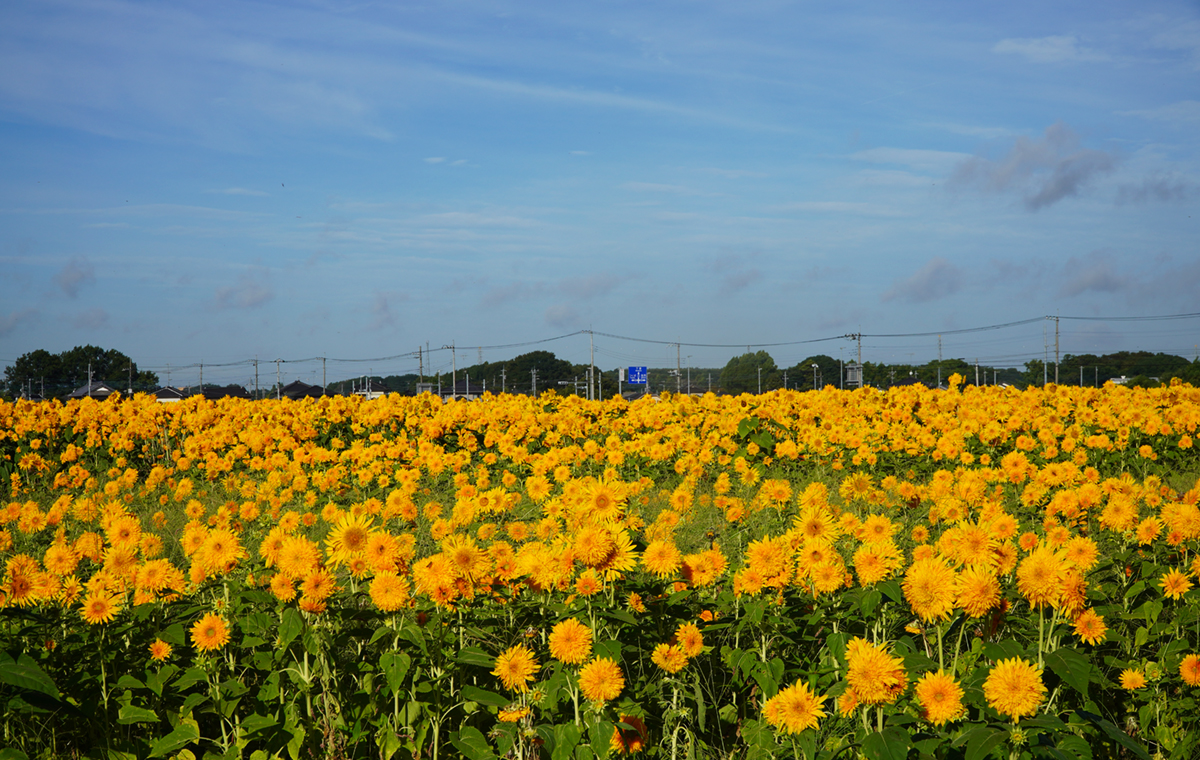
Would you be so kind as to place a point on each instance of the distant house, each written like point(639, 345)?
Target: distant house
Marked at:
point(170, 395)
point(464, 390)
point(371, 389)
point(228, 391)
point(93, 390)
point(299, 389)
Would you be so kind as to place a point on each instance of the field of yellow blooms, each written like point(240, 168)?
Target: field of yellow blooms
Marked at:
point(971, 573)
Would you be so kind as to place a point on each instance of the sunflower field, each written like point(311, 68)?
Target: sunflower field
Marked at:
point(978, 572)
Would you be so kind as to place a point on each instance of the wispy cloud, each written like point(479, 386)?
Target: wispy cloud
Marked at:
point(839, 207)
point(1160, 188)
point(10, 321)
point(92, 319)
point(383, 316)
point(1054, 49)
point(74, 275)
point(1181, 112)
point(931, 161)
point(936, 280)
point(240, 191)
point(561, 316)
point(1044, 171)
point(250, 291)
point(658, 187)
point(733, 271)
point(1096, 273)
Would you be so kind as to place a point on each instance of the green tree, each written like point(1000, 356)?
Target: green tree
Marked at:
point(59, 374)
point(802, 375)
point(743, 374)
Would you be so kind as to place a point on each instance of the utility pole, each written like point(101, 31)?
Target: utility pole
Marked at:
point(130, 378)
point(201, 378)
point(1080, 375)
point(420, 365)
point(785, 379)
point(279, 383)
point(1045, 357)
point(679, 372)
point(1056, 360)
point(256, 378)
point(977, 372)
point(323, 379)
point(89, 379)
point(533, 374)
point(504, 379)
point(939, 361)
point(760, 381)
point(453, 370)
point(591, 364)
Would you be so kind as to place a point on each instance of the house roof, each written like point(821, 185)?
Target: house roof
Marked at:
point(96, 389)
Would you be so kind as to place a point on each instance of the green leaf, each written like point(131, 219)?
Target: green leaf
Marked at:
point(130, 714)
point(1075, 746)
point(475, 656)
point(890, 744)
point(1114, 733)
point(129, 682)
point(25, 673)
point(566, 736)
point(183, 735)
point(982, 744)
point(291, 624)
point(868, 600)
point(600, 736)
point(395, 667)
point(891, 589)
point(472, 744)
point(1072, 667)
point(9, 753)
point(620, 615)
point(490, 698)
point(190, 678)
point(257, 722)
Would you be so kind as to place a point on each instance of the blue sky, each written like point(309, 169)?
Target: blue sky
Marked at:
point(214, 181)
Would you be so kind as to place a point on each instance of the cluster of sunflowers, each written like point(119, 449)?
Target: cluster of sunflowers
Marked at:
point(999, 551)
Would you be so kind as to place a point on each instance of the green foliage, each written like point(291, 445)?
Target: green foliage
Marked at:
point(59, 374)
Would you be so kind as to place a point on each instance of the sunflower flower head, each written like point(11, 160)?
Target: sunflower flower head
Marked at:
point(516, 667)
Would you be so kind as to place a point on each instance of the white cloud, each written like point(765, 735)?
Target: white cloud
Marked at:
point(240, 191)
point(1182, 112)
point(937, 279)
point(250, 291)
point(840, 207)
point(935, 161)
point(92, 319)
point(1044, 171)
point(656, 187)
point(434, 160)
point(561, 315)
point(1055, 49)
point(77, 273)
point(9, 322)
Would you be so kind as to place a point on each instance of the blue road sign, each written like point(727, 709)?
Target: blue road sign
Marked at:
point(637, 375)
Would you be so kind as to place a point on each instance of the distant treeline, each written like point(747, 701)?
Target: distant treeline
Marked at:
point(40, 374)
